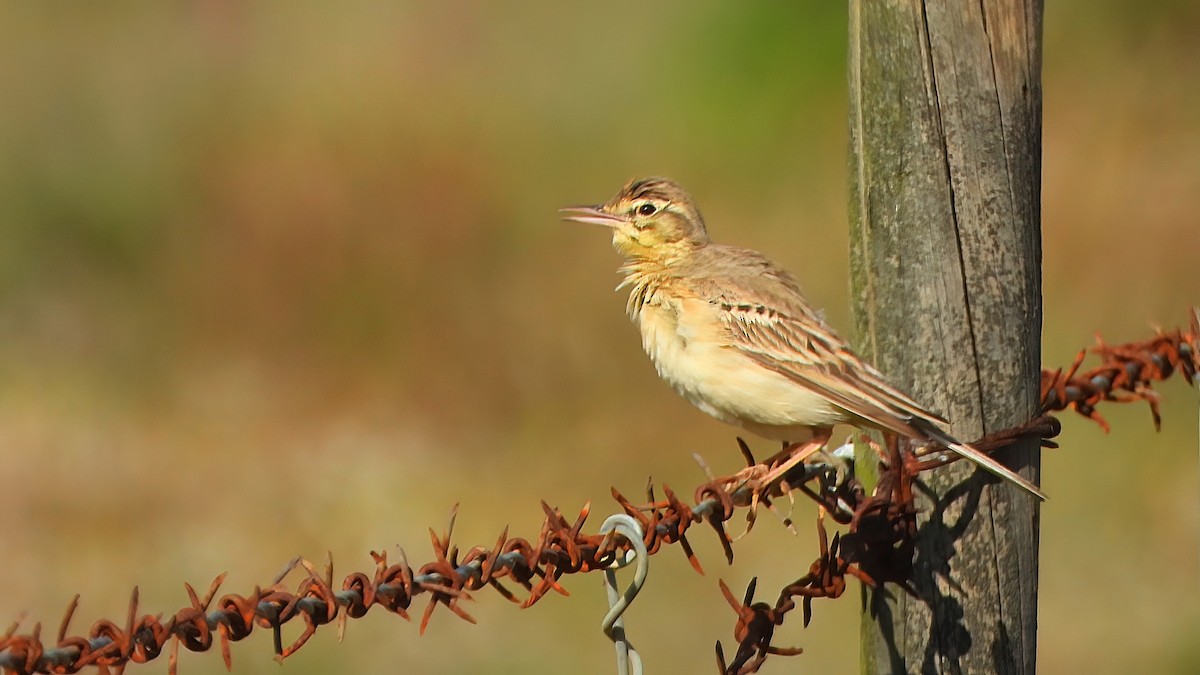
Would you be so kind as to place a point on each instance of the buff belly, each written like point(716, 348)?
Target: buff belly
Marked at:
point(682, 340)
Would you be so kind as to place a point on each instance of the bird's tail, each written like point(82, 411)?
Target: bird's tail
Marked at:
point(982, 460)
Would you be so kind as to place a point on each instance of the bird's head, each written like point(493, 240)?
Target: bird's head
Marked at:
point(651, 219)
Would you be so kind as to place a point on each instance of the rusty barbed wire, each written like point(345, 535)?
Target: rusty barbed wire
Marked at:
point(876, 547)
point(1126, 374)
point(561, 548)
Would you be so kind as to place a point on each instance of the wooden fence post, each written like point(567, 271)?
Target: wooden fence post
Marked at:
point(945, 128)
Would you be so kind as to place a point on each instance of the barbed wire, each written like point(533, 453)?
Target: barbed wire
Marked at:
point(876, 547)
point(1126, 374)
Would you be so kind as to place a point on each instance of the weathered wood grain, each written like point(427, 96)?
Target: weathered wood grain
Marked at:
point(945, 127)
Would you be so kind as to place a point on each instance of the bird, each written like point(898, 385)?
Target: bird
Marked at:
point(732, 332)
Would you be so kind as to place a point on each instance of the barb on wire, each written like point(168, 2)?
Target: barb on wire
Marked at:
point(876, 547)
point(629, 662)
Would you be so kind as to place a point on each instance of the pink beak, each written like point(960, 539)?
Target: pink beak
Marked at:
point(591, 214)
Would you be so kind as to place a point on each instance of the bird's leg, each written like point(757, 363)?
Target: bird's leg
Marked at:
point(879, 450)
point(795, 454)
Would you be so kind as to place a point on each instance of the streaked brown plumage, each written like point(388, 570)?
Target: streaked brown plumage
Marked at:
point(733, 334)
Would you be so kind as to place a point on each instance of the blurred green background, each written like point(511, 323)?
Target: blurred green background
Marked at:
point(287, 280)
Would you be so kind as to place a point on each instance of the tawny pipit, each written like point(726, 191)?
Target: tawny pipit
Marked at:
point(733, 334)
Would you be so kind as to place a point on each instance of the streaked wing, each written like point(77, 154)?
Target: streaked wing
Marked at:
point(804, 350)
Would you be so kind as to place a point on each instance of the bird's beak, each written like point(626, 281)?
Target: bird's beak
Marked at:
point(591, 214)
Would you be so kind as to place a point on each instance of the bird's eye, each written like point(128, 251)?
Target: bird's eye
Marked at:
point(647, 209)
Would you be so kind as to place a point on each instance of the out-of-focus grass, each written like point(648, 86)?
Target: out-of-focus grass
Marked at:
point(287, 281)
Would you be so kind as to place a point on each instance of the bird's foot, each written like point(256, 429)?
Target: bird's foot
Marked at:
point(768, 479)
